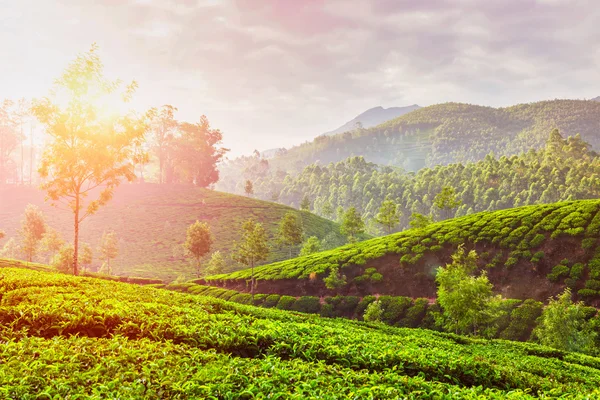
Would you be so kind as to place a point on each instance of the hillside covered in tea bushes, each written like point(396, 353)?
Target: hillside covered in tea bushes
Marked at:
point(529, 252)
point(67, 336)
point(150, 222)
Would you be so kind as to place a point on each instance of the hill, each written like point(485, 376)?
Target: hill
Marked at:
point(150, 220)
point(451, 132)
point(596, 98)
point(88, 338)
point(373, 117)
point(530, 252)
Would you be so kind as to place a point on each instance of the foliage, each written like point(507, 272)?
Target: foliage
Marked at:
point(352, 224)
point(419, 220)
point(253, 247)
point(216, 264)
point(446, 201)
point(109, 248)
point(388, 215)
point(467, 301)
point(563, 325)
point(374, 312)
point(63, 260)
point(198, 242)
point(33, 228)
point(311, 245)
point(92, 147)
point(290, 231)
point(335, 279)
point(82, 337)
point(249, 188)
point(87, 257)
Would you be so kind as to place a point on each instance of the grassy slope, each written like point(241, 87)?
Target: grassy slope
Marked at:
point(150, 219)
point(452, 132)
point(523, 249)
point(86, 337)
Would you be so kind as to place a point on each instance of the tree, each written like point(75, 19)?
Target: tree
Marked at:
point(198, 242)
point(92, 145)
point(352, 224)
point(388, 215)
point(63, 260)
point(109, 248)
point(87, 256)
point(249, 189)
point(305, 203)
point(290, 231)
point(467, 301)
point(198, 153)
point(163, 127)
point(419, 220)
point(327, 210)
point(374, 312)
point(335, 279)
point(311, 246)
point(52, 242)
point(446, 201)
point(216, 264)
point(252, 248)
point(9, 139)
point(11, 249)
point(563, 325)
point(33, 227)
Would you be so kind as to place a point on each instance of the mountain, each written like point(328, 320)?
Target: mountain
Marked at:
point(530, 252)
point(150, 221)
point(373, 117)
point(87, 338)
point(596, 98)
point(451, 132)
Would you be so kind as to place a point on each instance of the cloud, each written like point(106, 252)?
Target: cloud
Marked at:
point(273, 72)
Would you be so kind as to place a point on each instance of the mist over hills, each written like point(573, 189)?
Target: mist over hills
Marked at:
point(373, 117)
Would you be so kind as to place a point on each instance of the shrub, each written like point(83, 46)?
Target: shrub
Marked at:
point(577, 271)
point(537, 240)
point(558, 271)
point(537, 257)
point(242, 298)
point(363, 304)
point(259, 299)
point(511, 261)
point(335, 280)
point(394, 308)
point(286, 302)
point(588, 243)
point(522, 321)
point(415, 313)
point(343, 306)
point(307, 304)
point(271, 301)
point(592, 284)
point(374, 312)
point(376, 277)
point(327, 310)
point(587, 292)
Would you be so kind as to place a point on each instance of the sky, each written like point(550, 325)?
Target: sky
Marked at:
point(275, 73)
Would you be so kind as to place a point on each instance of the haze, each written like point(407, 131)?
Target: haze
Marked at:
point(276, 73)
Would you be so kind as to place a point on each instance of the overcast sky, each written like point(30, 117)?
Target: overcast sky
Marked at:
point(273, 73)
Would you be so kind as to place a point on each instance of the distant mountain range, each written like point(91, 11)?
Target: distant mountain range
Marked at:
point(373, 117)
point(596, 98)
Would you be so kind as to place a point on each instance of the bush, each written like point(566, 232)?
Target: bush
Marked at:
point(537, 257)
point(577, 271)
point(271, 301)
point(363, 304)
point(286, 302)
point(415, 313)
point(259, 299)
point(588, 243)
point(335, 280)
point(373, 312)
point(592, 284)
point(558, 271)
point(327, 310)
point(522, 321)
point(587, 292)
point(307, 304)
point(343, 306)
point(537, 240)
point(376, 277)
point(242, 298)
point(394, 308)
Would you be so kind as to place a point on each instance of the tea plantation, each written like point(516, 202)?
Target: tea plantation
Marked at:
point(73, 337)
point(529, 252)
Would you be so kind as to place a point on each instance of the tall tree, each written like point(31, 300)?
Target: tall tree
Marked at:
point(163, 126)
point(290, 231)
point(33, 227)
point(249, 189)
point(311, 246)
point(388, 215)
point(93, 142)
point(21, 114)
point(216, 264)
point(9, 139)
point(352, 224)
point(253, 247)
point(198, 242)
point(446, 201)
point(109, 248)
point(87, 256)
point(305, 203)
point(51, 243)
point(198, 153)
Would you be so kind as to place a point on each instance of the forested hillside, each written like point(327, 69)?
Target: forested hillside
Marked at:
point(373, 117)
point(150, 223)
point(565, 169)
point(431, 136)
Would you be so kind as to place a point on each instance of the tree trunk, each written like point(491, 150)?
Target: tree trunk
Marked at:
point(76, 239)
